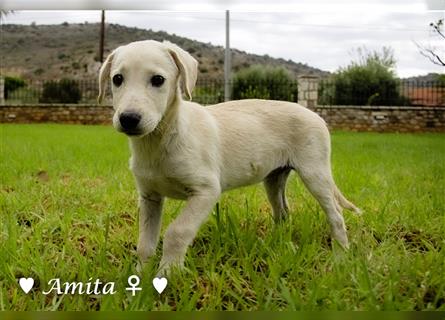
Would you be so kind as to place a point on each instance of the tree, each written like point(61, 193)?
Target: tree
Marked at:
point(431, 52)
point(369, 81)
point(4, 13)
point(264, 82)
point(441, 80)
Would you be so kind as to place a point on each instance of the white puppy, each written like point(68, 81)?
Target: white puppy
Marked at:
point(186, 151)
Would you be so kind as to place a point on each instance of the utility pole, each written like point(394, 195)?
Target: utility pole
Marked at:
point(227, 62)
point(102, 38)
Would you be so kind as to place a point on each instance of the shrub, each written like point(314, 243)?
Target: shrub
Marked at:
point(441, 80)
point(264, 82)
point(63, 91)
point(39, 71)
point(208, 93)
point(191, 50)
point(370, 81)
point(12, 84)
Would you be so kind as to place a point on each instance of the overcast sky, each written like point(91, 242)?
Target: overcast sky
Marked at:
point(321, 34)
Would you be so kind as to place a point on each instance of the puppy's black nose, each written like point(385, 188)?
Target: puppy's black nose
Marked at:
point(129, 120)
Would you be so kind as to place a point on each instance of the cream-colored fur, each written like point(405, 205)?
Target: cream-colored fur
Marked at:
point(186, 151)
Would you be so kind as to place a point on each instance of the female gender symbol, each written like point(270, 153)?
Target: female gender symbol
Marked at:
point(133, 282)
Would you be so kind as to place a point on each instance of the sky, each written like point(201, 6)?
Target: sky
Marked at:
point(322, 34)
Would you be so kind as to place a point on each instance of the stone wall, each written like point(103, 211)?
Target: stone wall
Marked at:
point(56, 113)
point(352, 118)
point(383, 119)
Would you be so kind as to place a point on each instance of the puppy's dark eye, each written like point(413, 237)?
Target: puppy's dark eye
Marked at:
point(118, 79)
point(157, 80)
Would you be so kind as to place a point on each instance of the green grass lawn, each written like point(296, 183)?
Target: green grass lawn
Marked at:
point(69, 211)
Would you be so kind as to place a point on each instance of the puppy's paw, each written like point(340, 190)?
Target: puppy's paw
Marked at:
point(139, 267)
point(144, 251)
point(165, 269)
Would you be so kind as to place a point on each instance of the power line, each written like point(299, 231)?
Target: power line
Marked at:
point(253, 21)
point(370, 27)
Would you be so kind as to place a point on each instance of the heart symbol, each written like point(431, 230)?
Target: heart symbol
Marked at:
point(159, 284)
point(26, 284)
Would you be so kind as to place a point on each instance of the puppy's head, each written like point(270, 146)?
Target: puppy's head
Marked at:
point(146, 77)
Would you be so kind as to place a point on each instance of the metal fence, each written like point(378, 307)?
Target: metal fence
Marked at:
point(51, 91)
point(383, 93)
point(210, 91)
point(86, 91)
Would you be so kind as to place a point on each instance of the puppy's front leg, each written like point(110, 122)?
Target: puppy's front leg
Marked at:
point(149, 224)
point(183, 229)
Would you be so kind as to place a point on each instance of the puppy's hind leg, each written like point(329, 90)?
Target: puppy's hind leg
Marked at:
point(318, 179)
point(275, 185)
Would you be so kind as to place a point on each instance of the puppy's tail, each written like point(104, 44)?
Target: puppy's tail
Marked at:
point(345, 203)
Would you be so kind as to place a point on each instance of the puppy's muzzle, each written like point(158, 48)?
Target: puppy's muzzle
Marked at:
point(129, 122)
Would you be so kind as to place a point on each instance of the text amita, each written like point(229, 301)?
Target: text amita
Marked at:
point(90, 287)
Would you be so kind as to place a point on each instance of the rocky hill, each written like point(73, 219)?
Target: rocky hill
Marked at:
point(71, 51)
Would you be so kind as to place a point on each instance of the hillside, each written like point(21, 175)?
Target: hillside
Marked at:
point(71, 50)
point(430, 77)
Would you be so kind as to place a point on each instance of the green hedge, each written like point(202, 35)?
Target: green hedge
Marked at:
point(264, 82)
point(63, 91)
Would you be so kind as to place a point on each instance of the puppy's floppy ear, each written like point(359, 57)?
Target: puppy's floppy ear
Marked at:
point(187, 65)
point(104, 74)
